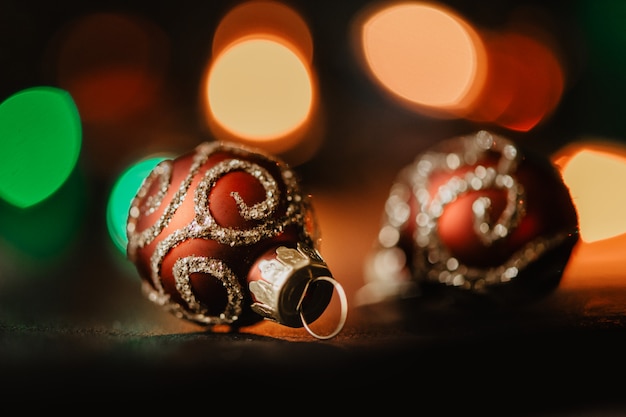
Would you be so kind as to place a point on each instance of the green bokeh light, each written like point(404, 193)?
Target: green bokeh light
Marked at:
point(602, 86)
point(40, 142)
point(46, 232)
point(603, 23)
point(122, 194)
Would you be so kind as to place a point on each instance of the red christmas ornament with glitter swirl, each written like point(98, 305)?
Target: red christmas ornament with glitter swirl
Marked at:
point(224, 235)
point(476, 215)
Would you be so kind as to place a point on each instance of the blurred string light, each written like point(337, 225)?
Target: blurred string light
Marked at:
point(594, 169)
point(602, 23)
point(40, 140)
point(430, 59)
point(41, 235)
point(111, 63)
point(41, 188)
point(260, 86)
point(122, 193)
point(424, 54)
point(114, 65)
point(525, 81)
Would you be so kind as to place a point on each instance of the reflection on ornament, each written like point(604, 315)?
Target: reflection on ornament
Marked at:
point(224, 235)
point(474, 213)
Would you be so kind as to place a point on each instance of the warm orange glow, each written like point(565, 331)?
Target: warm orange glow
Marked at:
point(524, 85)
point(112, 64)
point(424, 54)
point(594, 171)
point(501, 84)
point(436, 63)
point(259, 89)
point(270, 18)
point(593, 175)
point(592, 264)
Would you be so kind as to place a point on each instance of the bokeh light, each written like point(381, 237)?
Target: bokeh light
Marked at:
point(259, 89)
point(113, 65)
point(594, 172)
point(273, 19)
point(40, 140)
point(594, 169)
point(260, 86)
point(43, 234)
point(603, 45)
point(431, 59)
point(122, 193)
point(525, 81)
point(424, 54)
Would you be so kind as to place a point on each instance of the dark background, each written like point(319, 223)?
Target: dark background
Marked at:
point(78, 328)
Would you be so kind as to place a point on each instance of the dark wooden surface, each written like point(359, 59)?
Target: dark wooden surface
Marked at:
point(81, 331)
point(564, 354)
point(86, 333)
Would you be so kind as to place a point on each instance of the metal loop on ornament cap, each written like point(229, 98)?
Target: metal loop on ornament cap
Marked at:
point(344, 308)
point(281, 283)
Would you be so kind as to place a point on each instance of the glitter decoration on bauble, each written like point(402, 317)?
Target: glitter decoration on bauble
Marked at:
point(223, 235)
point(475, 217)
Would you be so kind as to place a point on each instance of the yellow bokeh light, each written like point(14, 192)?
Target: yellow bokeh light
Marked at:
point(592, 176)
point(594, 170)
point(259, 89)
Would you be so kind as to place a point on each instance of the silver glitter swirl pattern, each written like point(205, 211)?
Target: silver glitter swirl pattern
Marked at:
point(204, 225)
point(481, 178)
point(163, 173)
point(184, 267)
point(433, 261)
point(261, 211)
point(138, 239)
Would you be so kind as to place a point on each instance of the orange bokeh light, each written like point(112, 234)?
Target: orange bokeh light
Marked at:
point(424, 54)
point(524, 85)
point(430, 59)
point(273, 19)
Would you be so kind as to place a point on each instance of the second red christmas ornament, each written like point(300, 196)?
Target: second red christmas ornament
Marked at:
point(473, 215)
point(224, 235)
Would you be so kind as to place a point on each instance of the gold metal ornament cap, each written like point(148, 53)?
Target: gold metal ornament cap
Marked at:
point(293, 286)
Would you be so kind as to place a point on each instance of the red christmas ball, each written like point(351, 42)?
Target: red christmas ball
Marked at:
point(475, 213)
point(201, 224)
